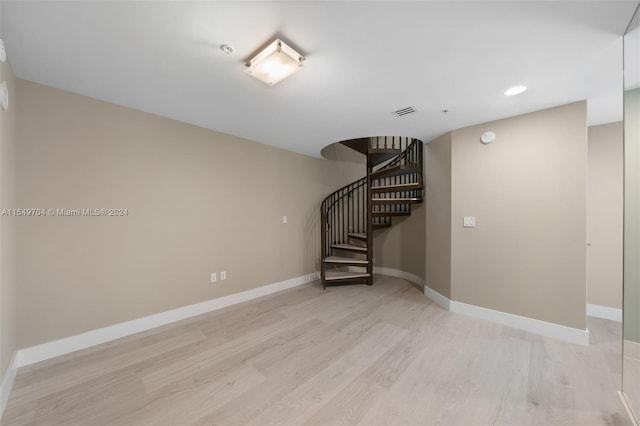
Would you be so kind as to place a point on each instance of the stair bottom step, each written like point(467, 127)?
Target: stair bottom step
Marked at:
point(345, 260)
point(339, 275)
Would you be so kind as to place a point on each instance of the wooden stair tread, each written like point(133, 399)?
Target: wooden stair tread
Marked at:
point(394, 151)
point(359, 144)
point(336, 275)
point(357, 235)
point(380, 225)
point(349, 247)
point(398, 170)
point(389, 214)
point(345, 260)
point(397, 187)
point(396, 200)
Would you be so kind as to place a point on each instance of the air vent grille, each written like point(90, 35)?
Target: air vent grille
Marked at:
point(404, 111)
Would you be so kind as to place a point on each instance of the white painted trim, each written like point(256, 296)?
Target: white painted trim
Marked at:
point(70, 344)
point(604, 312)
point(7, 383)
point(437, 298)
point(627, 407)
point(398, 274)
point(548, 329)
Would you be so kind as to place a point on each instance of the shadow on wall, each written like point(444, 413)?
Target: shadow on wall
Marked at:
point(312, 242)
point(343, 154)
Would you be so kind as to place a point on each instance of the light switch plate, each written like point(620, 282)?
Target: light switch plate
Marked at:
point(469, 222)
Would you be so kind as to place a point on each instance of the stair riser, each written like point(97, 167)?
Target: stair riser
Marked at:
point(390, 214)
point(391, 201)
point(390, 188)
point(394, 171)
point(358, 242)
point(343, 261)
point(381, 226)
point(361, 237)
point(348, 252)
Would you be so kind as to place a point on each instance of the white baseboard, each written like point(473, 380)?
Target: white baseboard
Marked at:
point(604, 312)
point(437, 298)
point(627, 407)
point(70, 344)
point(399, 274)
point(548, 329)
point(7, 383)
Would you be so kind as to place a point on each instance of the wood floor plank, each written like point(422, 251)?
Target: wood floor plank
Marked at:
point(350, 405)
point(285, 377)
point(180, 405)
point(67, 378)
point(192, 364)
point(299, 405)
point(366, 355)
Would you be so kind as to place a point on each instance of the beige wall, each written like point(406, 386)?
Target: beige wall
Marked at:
point(438, 215)
point(527, 190)
point(198, 201)
point(7, 223)
point(604, 215)
point(402, 245)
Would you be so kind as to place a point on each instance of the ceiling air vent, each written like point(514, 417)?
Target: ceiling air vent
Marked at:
point(404, 111)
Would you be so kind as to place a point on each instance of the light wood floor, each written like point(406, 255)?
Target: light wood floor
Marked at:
point(380, 355)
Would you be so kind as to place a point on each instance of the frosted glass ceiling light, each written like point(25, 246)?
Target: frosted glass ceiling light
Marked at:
point(274, 63)
point(515, 90)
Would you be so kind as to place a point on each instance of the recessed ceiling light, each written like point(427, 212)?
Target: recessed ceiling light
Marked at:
point(226, 49)
point(515, 90)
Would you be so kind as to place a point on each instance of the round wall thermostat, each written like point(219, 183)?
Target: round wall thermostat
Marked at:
point(487, 137)
point(4, 95)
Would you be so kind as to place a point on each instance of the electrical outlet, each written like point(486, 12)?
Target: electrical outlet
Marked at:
point(223, 275)
point(214, 277)
point(285, 219)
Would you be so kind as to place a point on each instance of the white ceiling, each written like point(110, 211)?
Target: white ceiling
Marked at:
point(364, 60)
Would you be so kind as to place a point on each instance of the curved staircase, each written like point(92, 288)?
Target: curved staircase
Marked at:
point(350, 215)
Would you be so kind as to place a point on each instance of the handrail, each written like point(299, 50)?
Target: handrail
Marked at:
point(408, 152)
point(342, 212)
point(360, 181)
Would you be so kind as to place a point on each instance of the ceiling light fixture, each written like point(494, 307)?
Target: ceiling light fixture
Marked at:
point(515, 90)
point(274, 63)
